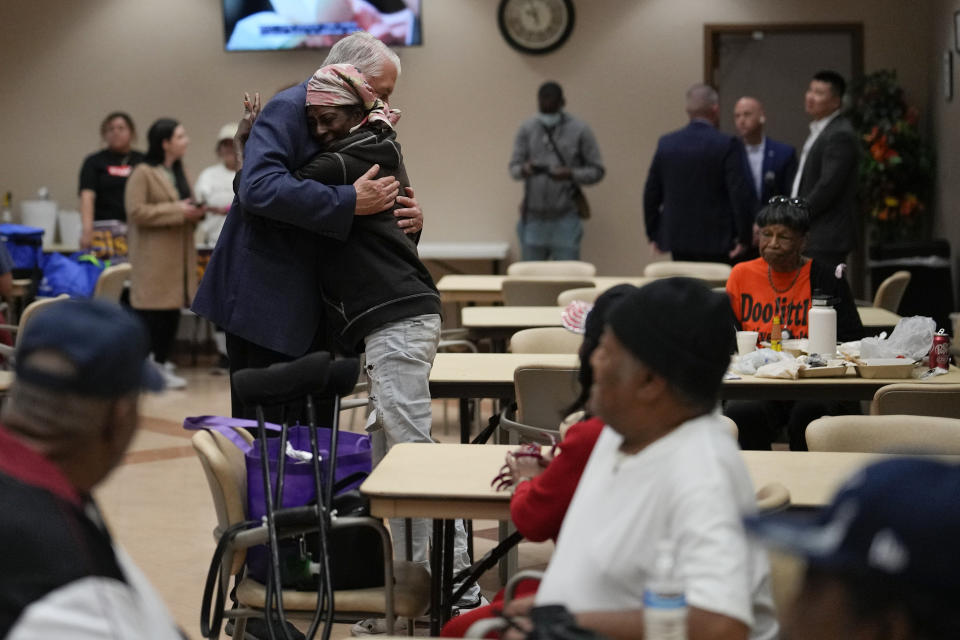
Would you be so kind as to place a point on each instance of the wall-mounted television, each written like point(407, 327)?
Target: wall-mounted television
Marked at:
point(266, 25)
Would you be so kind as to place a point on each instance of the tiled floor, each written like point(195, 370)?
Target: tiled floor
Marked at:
point(159, 507)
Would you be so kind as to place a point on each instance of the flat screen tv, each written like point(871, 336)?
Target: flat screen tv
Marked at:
point(264, 25)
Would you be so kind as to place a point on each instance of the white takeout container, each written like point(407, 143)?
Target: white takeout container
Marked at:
point(885, 368)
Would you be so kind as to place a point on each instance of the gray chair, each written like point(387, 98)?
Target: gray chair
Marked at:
point(538, 292)
point(918, 399)
point(904, 434)
point(569, 268)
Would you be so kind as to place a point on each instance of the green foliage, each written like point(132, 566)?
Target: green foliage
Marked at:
point(896, 166)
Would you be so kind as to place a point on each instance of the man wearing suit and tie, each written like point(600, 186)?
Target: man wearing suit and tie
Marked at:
point(827, 176)
point(770, 165)
point(696, 203)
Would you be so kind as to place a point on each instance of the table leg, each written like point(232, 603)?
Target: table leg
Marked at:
point(466, 418)
point(435, 577)
point(449, 527)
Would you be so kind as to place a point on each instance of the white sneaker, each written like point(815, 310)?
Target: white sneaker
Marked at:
point(172, 380)
point(169, 366)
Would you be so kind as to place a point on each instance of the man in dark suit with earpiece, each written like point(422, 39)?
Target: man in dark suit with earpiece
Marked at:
point(770, 164)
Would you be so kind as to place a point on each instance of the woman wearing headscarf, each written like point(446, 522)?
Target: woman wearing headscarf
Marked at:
point(162, 218)
point(379, 297)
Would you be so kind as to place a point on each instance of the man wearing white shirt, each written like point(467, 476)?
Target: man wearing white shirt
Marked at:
point(827, 176)
point(770, 164)
point(663, 469)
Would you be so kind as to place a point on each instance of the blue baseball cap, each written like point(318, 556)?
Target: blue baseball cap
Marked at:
point(898, 519)
point(106, 343)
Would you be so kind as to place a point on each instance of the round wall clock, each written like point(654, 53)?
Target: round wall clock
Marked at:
point(535, 26)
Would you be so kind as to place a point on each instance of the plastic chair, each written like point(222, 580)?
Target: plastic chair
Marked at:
point(542, 392)
point(917, 399)
point(407, 593)
point(112, 281)
point(712, 272)
point(572, 268)
point(537, 292)
point(545, 340)
point(904, 434)
point(890, 292)
point(586, 294)
point(29, 310)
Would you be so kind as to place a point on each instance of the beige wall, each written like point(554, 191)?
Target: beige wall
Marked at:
point(625, 68)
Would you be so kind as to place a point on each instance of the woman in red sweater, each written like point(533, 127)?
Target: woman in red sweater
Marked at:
point(543, 489)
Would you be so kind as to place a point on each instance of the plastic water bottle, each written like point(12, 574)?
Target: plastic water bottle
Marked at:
point(664, 603)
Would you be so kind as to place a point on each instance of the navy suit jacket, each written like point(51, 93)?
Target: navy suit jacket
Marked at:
point(696, 199)
point(777, 173)
point(262, 283)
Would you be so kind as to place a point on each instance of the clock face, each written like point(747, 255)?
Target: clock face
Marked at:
point(536, 26)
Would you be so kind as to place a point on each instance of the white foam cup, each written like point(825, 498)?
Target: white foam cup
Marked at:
point(747, 341)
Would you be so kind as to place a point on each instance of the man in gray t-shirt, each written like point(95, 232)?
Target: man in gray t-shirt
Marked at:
point(554, 154)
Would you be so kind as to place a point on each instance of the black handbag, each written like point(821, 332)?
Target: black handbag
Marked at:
point(554, 622)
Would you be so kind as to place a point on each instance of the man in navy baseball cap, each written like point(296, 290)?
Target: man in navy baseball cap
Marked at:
point(882, 559)
point(67, 421)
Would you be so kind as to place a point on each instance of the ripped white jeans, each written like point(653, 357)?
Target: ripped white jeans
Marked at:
point(399, 357)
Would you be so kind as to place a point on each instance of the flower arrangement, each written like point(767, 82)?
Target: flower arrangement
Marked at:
point(896, 167)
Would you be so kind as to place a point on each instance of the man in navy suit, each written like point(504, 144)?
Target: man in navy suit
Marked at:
point(827, 177)
point(262, 284)
point(696, 203)
point(770, 165)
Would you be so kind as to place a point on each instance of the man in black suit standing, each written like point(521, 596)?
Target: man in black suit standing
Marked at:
point(769, 164)
point(696, 203)
point(827, 176)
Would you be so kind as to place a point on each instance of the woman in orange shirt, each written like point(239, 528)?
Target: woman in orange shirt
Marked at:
point(782, 282)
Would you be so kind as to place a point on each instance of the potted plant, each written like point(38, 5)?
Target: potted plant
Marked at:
point(896, 165)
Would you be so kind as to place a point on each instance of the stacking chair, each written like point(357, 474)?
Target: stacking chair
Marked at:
point(712, 272)
point(917, 399)
point(542, 392)
point(538, 292)
point(885, 434)
point(545, 340)
point(890, 292)
point(112, 281)
point(586, 294)
point(28, 311)
point(407, 590)
point(569, 268)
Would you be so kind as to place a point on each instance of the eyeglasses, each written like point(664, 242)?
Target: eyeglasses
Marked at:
point(795, 202)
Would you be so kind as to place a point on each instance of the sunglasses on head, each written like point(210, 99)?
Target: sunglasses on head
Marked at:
point(795, 202)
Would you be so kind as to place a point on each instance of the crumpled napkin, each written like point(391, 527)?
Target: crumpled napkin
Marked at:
point(787, 369)
point(750, 363)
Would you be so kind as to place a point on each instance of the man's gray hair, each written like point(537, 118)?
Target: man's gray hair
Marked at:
point(363, 51)
point(702, 99)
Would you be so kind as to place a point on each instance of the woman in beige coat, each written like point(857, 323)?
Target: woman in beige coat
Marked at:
point(161, 219)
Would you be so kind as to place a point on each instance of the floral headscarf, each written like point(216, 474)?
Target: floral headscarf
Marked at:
point(342, 85)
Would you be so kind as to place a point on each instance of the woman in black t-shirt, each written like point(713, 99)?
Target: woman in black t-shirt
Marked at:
point(104, 174)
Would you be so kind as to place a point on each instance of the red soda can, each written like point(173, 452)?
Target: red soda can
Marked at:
point(940, 352)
